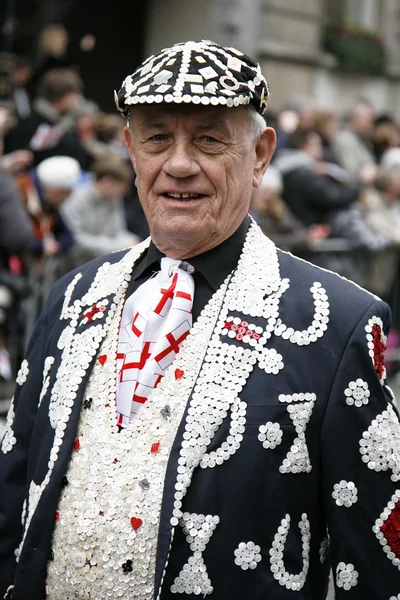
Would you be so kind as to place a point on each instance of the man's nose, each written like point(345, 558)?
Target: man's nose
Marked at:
point(181, 161)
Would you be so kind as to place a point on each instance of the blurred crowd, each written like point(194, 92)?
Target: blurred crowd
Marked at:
point(67, 189)
point(67, 194)
point(332, 196)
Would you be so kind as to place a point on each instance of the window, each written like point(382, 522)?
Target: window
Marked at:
point(364, 13)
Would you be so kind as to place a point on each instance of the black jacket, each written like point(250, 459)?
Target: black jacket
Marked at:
point(67, 143)
point(311, 196)
point(16, 231)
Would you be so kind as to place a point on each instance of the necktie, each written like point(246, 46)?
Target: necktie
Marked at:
point(155, 321)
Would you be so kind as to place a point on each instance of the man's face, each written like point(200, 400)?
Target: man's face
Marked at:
point(111, 188)
point(195, 170)
point(68, 103)
point(314, 146)
point(364, 118)
point(56, 196)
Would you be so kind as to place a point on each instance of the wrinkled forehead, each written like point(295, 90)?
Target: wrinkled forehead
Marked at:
point(191, 117)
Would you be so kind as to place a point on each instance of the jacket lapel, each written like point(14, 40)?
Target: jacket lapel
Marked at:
point(87, 322)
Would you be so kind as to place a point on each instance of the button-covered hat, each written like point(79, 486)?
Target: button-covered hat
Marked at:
point(195, 73)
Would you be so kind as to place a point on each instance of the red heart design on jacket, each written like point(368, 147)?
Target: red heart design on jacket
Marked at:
point(179, 373)
point(136, 522)
point(102, 359)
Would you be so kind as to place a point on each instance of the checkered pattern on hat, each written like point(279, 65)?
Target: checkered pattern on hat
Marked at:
point(155, 321)
point(202, 73)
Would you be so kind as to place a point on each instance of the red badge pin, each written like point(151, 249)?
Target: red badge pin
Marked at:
point(102, 359)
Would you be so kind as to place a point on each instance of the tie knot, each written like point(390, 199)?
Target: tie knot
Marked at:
point(169, 266)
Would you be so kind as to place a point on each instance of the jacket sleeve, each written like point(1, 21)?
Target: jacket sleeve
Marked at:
point(74, 213)
point(16, 231)
point(14, 452)
point(352, 225)
point(351, 153)
point(324, 193)
point(63, 234)
point(360, 454)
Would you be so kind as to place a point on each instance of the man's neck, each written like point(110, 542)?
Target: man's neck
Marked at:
point(185, 249)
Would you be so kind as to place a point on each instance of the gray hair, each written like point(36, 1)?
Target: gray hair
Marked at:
point(257, 123)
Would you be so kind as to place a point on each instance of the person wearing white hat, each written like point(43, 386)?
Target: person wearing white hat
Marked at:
point(52, 182)
point(58, 172)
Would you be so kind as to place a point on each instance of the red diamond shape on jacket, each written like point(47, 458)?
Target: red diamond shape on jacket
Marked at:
point(391, 530)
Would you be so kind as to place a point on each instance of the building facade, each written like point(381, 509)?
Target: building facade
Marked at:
point(289, 39)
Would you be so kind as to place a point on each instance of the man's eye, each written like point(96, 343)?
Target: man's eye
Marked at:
point(209, 139)
point(158, 137)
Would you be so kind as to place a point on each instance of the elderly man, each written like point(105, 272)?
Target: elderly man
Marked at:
point(201, 415)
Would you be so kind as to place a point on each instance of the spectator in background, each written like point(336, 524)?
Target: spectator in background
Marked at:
point(16, 231)
point(277, 221)
point(390, 158)
point(12, 162)
point(382, 207)
point(16, 238)
point(311, 195)
point(109, 130)
point(353, 147)
point(50, 129)
point(297, 114)
point(364, 244)
point(21, 76)
point(55, 51)
point(385, 135)
point(108, 137)
point(85, 117)
point(104, 133)
point(325, 124)
point(54, 180)
point(95, 211)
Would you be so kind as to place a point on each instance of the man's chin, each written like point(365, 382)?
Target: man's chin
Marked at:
point(187, 239)
point(185, 233)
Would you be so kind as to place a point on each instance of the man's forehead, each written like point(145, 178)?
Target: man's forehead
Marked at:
point(196, 116)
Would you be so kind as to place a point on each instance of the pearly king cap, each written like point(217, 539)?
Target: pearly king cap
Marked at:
point(203, 73)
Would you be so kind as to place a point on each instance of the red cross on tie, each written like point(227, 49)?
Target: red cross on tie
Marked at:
point(173, 345)
point(135, 329)
point(144, 355)
point(167, 294)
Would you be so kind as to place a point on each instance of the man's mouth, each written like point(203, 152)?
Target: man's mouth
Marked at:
point(184, 196)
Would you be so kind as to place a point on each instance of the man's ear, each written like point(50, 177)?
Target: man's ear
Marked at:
point(264, 151)
point(129, 145)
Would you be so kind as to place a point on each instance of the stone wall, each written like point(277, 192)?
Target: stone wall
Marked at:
point(284, 35)
point(172, 21)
